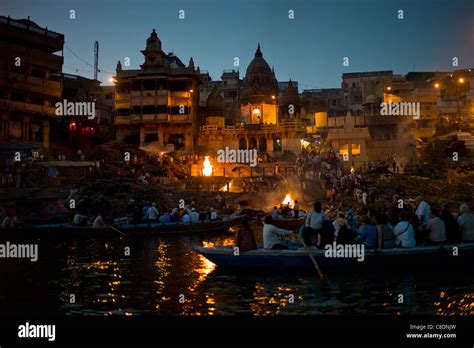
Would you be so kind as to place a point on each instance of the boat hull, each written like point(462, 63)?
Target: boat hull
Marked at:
point(129, 230)
point(299, 259)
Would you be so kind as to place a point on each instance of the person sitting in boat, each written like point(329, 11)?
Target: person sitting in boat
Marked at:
point(314, 224)
point(436, 228)
point(152, 214)
point(98, 221)
point(367, 233)
point(271, 235)
point(385, 236)
point(213, 214)
point(466, 223)
point(79, 220)
point(404, 232)
point(146, 206)
point(275, 213)
point(166, 217)
point(296, 210)
point(186, 218)
point(244, 237)
point(194, 215)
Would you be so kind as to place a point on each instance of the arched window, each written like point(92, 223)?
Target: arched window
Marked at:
point(242, 144)
point(252, 143)
point(262, 144)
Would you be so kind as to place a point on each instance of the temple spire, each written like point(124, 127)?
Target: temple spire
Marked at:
point(258, 53)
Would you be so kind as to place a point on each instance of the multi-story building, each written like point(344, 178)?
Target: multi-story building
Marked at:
point(80, 132)
point(357, 87)
point(259, 123)
point(30, 80)
point(158, 102)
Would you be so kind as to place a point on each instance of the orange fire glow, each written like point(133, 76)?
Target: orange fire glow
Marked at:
point(224, 188)
point(207, 169)
point(288, 199)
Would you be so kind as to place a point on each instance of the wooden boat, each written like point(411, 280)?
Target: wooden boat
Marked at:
point(289, 224)
point(398, 258)
point(67, 230)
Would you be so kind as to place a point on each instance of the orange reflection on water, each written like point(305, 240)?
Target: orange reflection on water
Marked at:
point(455, 305)
point(267, 303)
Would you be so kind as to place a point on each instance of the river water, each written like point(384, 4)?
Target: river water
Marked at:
point(164, 276)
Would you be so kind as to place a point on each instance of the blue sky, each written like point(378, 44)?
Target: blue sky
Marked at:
point(309, 48)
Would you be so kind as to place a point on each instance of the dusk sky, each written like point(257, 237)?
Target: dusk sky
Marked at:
point(308, 49)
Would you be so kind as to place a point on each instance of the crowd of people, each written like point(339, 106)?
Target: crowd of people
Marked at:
point(148, 213)
point(394, 226)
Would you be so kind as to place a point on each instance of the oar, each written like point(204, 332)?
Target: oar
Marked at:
point(311, 257)
point(114, 229)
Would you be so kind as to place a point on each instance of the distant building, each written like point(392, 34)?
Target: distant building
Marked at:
point(80, 132)
point(159, 102)
point(30, 82)
point(264, 119)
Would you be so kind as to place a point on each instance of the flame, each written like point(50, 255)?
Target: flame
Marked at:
point(287, 199)
point(352, 170)
point(224, 188)
point(207, 169)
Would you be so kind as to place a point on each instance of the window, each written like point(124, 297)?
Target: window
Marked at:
point(175, 110)
point(37, 73)
point(123, 112)
point(36, 99)
point(162, 109)
point(136, 110)
point(18, 96)
point(148, 109)
point(18, 69)
point(149, 85)
point(343, 150)
point(136, 85)
point(123, 87)
point(355, 150)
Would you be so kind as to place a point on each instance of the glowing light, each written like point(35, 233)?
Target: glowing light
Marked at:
point(224, 188)
point(112, 80)
point(207, 169)
point(461, 80)
point(273, 97)
point(287, 199)
point(191, 91)
point(436, 85)
point(389, 88)
point(352, 170)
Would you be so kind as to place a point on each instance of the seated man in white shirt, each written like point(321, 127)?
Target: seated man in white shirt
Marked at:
point(271, 235)
point(436, 228)
point(194, 215)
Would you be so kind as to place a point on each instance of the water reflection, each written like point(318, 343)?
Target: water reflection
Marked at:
point(150, 281)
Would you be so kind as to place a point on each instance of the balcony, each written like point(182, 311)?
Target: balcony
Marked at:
point(121, 120)
point(32, 108)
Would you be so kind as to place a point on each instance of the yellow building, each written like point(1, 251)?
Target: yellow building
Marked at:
point(159, 102)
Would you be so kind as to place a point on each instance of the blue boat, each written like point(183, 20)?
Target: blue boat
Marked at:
point(449, 255)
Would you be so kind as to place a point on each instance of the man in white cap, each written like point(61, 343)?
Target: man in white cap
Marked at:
point(194, 215)
point(466, 223)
